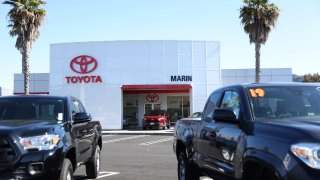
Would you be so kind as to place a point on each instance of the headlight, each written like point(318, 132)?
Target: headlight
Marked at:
point(309, 153)
point(44, 142)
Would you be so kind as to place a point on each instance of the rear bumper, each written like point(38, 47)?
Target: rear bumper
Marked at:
point(155, 126)
point(152, 124)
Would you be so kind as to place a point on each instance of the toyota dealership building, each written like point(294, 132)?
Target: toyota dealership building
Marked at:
point(117, 79)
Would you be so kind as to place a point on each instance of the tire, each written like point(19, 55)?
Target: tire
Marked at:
point(186, 170)
point(258, 172)
point(164, 126)
point(66, 170)
point(168, 126)
point(93, 165)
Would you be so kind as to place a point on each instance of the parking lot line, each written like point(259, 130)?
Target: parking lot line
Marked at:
point(157, 141)
point(108, 135)
point(124, 139)
point(105, 174)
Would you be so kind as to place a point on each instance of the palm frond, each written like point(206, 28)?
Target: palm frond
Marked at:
point(25, 19)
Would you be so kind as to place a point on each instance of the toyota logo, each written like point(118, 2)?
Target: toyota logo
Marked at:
point(83, 64)
point(152, 97)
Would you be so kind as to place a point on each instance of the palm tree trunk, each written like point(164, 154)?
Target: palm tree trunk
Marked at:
point(258, 70)
point(25, 69)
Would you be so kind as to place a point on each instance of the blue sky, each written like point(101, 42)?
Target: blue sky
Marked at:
point(294, 42)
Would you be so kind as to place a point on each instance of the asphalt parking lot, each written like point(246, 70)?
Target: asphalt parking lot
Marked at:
point(136, 157)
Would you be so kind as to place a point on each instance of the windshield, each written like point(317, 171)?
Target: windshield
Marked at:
point(31, 109)
point(156, 113)
point(195, 115)
point(285, 102)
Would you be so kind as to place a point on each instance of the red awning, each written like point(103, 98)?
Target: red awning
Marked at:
point(156, 88)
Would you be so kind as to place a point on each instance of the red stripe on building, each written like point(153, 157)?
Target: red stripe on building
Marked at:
point(156, 88)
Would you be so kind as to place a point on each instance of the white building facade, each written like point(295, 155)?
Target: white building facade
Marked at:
point(115, 79)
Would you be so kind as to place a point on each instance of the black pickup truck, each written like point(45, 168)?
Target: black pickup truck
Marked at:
point(47, 137)
point(253, 131)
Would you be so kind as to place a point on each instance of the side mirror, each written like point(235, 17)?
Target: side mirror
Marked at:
point(81, 117)
point(225, 115)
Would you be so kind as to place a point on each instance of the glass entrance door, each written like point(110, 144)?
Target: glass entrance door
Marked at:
point(178, 107)
point(151, 106)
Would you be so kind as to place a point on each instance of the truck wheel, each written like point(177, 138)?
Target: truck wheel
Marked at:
point(93, 165)
point(186, 170)
point(66, 170)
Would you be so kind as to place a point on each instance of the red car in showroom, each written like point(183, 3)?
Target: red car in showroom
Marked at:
point(156, 119)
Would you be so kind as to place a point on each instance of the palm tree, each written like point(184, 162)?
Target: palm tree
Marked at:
point(25, 19)
point(258, 16)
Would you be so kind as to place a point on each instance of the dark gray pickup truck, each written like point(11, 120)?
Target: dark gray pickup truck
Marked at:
point(253, 131)
point(47, 137)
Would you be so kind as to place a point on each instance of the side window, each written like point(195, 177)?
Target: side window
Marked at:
point(81, 108)
point(211, 105)
point(231, 99)
point(74, 107)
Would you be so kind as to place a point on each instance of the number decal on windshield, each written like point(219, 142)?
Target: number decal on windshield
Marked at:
point(257, 92)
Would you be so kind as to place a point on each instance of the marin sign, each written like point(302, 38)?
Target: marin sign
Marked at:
point(180, 78)
point(83, 65)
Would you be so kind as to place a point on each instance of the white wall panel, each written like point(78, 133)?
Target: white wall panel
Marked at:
point(199, 48)
point(155, 48)
point(213, 62)
point(199, 77)
point(18, 86)
point(264, 79)
point(213, 77)
point(213, 48)
point(228, 80)
point(281, 78)
point(199, 91)
point(39, 82)
point(199, 62)
point(185, 48)
point(266, 72)
point(41, 86)
point(140, 48)
point(170, 62)
point(245, 72)
point(18, 77)
point(281, 71)
point(170, 47)
point(228, 73)
point(185, 62)
point(113, 63)
point(235, 76)
point(41, 77)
